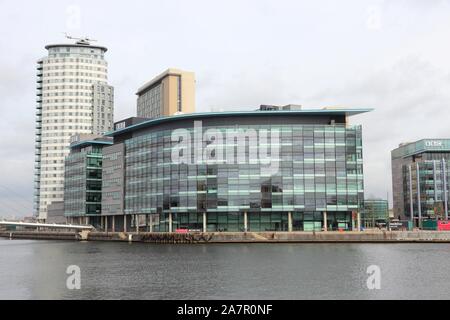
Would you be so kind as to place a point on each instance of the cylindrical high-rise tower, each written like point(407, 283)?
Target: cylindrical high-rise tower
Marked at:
point(73, 97)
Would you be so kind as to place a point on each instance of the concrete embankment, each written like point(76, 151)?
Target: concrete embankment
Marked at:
point(248, 237)
point(39, 235)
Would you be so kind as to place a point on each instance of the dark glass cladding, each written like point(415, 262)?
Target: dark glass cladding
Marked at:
point(319, 169)
point(83, 182)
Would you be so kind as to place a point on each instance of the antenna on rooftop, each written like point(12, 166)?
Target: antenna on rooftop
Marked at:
point(84, 41)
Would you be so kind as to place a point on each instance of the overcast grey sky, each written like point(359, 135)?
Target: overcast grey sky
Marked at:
point(389, 55)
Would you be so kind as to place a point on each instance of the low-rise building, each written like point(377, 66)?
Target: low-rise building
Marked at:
point(55, 213)
point(375, 211)
point(83, 180)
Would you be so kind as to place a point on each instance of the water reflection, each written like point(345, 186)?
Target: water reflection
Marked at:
point(36, 270)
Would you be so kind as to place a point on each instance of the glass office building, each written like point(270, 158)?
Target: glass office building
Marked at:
point(375, 211)
point(289, 170)
point(83, 181)
point(420, 180)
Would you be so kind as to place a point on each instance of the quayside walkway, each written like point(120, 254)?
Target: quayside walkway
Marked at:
point(238, 237)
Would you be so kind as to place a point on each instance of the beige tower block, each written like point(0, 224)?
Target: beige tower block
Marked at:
point(170, 93)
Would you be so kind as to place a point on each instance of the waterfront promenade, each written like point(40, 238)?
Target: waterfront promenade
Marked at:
point(369, 236)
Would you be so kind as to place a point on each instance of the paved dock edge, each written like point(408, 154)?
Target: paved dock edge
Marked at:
point(248, 237)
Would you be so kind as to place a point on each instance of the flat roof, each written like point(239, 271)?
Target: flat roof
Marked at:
point(421, 146)
point(75, 46)
point(168, 72)
point(309, 112)
point(86, 143)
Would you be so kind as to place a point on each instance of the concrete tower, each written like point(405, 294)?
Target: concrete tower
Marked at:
point(73, 97)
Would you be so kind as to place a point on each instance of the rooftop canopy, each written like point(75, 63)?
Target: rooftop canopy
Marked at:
point(86, 143)
point(70, 45)
point(304, 112)
point(168, 72)
point(421, 146)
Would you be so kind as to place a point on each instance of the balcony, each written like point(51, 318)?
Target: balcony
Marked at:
point(39, 92)
point(39, 118)
point(39, 99)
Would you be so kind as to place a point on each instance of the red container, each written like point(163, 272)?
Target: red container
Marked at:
point(443, 225)
point(182, 231)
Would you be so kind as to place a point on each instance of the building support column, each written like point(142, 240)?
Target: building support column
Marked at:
point(124, 223)
point(204, 222)
point(245, 222)
point(113, 223)
point(170, 222)
point(290, 221)
point(325, 221)
point(353, 220)
point(151, 223)
point(106, 223)
point(102, 222)
point(411, 204)
point(358, 220)
point(435, 180)
point(136, 222)
point(419, 205)
point(444, 172)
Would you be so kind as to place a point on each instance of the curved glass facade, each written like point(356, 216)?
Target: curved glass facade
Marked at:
point(319, 169)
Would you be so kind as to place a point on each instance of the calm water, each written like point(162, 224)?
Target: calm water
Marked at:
point(36, 270)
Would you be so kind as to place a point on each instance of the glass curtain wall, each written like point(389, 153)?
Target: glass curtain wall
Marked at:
point(426, 181)
point(83, 183)
point(320, 169)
